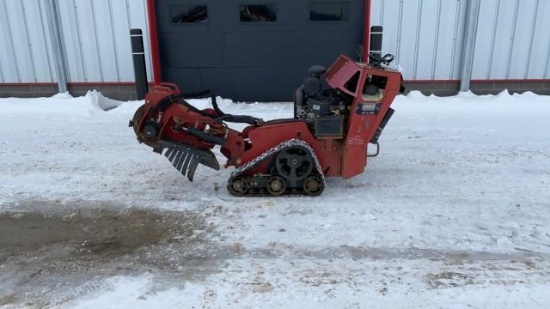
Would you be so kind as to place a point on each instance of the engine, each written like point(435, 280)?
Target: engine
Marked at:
point(323, 108)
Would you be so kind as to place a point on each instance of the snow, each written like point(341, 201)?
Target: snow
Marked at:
point(453, 213)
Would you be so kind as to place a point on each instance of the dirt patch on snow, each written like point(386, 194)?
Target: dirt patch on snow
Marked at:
point(100, 233)
point(61, 252)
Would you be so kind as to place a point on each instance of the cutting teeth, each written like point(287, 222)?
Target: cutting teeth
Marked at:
point(178, 163)
point(186, 159)
point(193, 168)
point(170, 154)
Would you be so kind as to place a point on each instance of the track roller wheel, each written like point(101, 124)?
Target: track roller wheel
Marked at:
point(276, 185)
point(294, 163)
point(314, 186)
point(238, 186)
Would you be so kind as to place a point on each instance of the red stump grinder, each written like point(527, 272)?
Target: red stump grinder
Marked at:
point(337, 113)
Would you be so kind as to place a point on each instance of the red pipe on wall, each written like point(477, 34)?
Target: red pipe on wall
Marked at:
point(366, 32)
point(154, 40)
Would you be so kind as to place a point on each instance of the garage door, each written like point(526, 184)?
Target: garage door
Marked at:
point(253, 50)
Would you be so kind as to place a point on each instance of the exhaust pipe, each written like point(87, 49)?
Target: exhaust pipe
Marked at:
point(375, 52)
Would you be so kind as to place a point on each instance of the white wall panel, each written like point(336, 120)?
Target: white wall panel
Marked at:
point(538, 66)
point(521, 44)
point(98, 38)
point(15, 24)
point(96, 35)
point(512, 39)
point(88, 47)
point(71, 41)
point(25, 55)
point(9, 71)
point(121, 39)
point(529, 46)
point(427, 38)
point(407, 42)
point(450, 39)
point(502, 39)
point(45, 56)
point(486, 33)
point(425, 35)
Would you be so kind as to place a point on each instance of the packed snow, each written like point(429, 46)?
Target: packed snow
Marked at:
point(453, 213)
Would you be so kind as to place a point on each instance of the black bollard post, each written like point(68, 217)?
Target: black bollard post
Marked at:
point(375, 44)
point(140, 69)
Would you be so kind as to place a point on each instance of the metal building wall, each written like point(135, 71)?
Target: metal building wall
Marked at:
point(425, 35)
point(96, 38)
point(513, 38)
point(97, 41)
point(25, 54)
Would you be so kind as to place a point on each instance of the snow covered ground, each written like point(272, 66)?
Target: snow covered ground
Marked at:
point(454, 213)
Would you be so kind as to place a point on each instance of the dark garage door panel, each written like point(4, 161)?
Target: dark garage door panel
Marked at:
point(252, 62)
point(256, 49)
point(316, 50)
point(246, 84)
point(180, 50)
point(188, 79)
point(254, 84)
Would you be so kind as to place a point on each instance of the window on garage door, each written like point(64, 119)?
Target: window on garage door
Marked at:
point(188, 13)
point(329, 11)
point(258, 13)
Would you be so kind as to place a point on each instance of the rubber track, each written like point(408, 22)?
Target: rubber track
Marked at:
point(274, 150)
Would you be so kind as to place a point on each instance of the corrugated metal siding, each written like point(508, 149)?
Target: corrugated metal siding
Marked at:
point(513, 40)
point(25, 55)
point(98, 38)
point(426, 36)
point(95, 33)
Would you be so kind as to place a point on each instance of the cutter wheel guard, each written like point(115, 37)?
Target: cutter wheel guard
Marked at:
point(337, 113)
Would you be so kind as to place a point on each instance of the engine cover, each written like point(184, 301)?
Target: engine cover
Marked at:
point(324, 108)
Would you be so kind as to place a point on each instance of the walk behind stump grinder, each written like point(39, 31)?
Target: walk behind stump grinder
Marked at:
point(337, 113)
